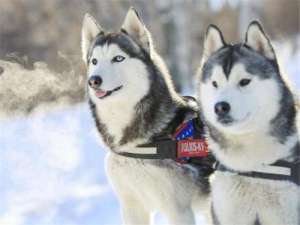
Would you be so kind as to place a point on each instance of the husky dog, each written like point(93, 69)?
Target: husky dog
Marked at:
point(251, 117)
point(133, 99)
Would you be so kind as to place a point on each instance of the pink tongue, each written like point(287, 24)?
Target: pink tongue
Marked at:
point(100, 93)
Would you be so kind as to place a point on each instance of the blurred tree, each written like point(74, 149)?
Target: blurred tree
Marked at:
point(41, 29)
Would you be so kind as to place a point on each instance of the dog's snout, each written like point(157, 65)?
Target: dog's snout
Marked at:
point(95, 81)
point(222, 108)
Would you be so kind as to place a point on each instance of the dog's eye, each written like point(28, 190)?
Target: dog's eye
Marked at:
point(118, 58)
point(94, 61)
point(215, 84)
point(244, 82)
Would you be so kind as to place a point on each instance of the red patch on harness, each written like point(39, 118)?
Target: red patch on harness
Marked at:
point(192, 148)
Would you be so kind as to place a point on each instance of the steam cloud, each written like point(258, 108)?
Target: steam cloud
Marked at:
point(25, 87)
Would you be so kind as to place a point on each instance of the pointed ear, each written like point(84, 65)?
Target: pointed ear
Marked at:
point(259, 41)
point(134, 26)
point(90, 29)
point(213, 41)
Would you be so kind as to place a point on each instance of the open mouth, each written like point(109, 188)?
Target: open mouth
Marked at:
point(100, 93)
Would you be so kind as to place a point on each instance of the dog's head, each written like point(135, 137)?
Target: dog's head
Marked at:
point(240, 84)
point(116, 62)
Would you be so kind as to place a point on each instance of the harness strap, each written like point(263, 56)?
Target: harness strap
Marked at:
point(163, 150)
point(285, 171)
point(163, 145)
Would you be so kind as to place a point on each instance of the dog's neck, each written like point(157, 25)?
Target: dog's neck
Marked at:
point(124, 124)
point(248, 151)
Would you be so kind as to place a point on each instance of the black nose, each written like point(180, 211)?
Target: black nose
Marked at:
point(95, 81)
point(222, 108)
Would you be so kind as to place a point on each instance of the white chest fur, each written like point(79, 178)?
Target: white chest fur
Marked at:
point(253, 152)
point(116, 116)
point(242, 200)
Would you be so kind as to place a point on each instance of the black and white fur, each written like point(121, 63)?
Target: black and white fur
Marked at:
point(251, 116)
point(140, 104)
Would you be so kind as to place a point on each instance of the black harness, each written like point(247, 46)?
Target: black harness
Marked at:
point(165, 147)
point(292, 171)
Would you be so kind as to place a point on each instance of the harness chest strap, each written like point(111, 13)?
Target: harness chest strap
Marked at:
point(170, 149)
point(281, 170)
point(182, 140)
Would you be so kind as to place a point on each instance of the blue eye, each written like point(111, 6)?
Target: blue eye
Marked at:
point(118, 58)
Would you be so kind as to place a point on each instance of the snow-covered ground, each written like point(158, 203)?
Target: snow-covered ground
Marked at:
point(52, 171)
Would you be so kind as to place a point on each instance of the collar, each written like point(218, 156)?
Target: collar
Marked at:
point(281, 170)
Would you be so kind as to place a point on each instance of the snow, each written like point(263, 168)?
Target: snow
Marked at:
point(52, 171)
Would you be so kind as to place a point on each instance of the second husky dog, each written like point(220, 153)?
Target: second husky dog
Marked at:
point(132, 100)
point(251, 117)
